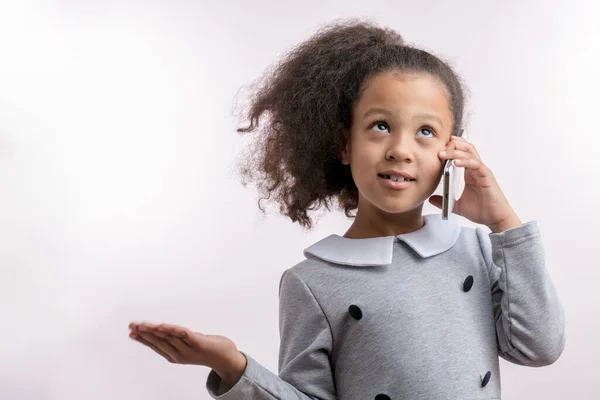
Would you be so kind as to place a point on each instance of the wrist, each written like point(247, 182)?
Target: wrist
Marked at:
point(505, 225)
point(232, 372)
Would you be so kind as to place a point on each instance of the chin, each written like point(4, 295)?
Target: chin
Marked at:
point(397, 206)
point(392, 202)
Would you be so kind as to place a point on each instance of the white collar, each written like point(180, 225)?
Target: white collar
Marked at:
point(435, 237)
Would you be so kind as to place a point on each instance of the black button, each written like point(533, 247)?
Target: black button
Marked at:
point(486, 379)
point(355, 312)
point(382, 397)
point(468, 284)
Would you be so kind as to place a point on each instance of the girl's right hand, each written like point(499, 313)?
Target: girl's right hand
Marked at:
point(182, 346)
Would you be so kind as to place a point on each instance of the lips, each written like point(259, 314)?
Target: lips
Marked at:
point(396, 178)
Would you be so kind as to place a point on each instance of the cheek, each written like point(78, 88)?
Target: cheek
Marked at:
point(363, 166)
point(427, 164)
point(432, 168)
point(365, 158)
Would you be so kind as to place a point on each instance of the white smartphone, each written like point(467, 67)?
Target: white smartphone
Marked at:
point(453, 182)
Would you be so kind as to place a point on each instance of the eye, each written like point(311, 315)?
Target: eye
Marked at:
point(428, 132)
point(380, 126)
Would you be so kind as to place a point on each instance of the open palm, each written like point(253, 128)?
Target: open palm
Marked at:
point(180, 345)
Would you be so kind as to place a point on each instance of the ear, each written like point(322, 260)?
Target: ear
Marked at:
point(345, 151)
point(345, 156)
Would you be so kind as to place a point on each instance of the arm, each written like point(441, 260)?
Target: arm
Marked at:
point(530, 321)
point(306, 341)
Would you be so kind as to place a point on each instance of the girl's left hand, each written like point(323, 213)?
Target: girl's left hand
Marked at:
point(482, 200)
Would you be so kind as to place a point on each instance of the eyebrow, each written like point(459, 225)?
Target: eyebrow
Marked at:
point(377, 110)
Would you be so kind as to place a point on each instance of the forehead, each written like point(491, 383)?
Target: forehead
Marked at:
point(411, 92)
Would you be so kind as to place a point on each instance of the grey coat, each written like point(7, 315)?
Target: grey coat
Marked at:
point(423, 315)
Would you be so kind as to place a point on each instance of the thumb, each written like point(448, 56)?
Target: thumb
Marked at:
point(436, 200)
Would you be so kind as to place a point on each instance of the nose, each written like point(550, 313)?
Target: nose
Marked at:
point(399, 149)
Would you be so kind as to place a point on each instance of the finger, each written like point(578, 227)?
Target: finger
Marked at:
point(180, 345)
point(463, 146)
point(455, 155)
point(146, 326)
point(469, 163)
point(183, 334)
point(459, 139)
point(178, 336)
point(134, 326)
point(145, 342)
point(174, 341)
point(161, 344)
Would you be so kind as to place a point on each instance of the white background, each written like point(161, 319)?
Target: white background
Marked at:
point(119, 198)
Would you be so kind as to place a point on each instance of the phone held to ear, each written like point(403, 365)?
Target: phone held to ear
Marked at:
point(453, 178)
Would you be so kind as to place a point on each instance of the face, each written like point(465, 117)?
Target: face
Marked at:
point(400, 123)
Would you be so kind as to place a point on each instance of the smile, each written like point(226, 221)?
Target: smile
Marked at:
point(395, 182)
point(395, 178)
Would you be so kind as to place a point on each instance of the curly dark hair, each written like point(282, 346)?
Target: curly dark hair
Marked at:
point(302, 107)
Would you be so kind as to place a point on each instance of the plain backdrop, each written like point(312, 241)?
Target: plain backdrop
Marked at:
point(119, 198)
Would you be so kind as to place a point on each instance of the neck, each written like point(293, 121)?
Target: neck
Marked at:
point(372, 222)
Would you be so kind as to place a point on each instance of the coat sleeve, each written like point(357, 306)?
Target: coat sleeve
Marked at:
point(530, 321)
point(305, 371)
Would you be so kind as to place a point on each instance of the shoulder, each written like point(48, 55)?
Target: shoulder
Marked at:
point(470, 238)
point(476, 239)
point(313, 273)
point(308, 270)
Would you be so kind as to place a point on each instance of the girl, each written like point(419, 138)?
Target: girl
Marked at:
point(403, 306)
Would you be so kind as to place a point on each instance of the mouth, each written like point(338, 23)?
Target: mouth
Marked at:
point(395, 178)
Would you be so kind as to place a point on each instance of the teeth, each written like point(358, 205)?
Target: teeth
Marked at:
point(397, 178)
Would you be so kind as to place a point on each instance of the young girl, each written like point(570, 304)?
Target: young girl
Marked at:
point(403, 306)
